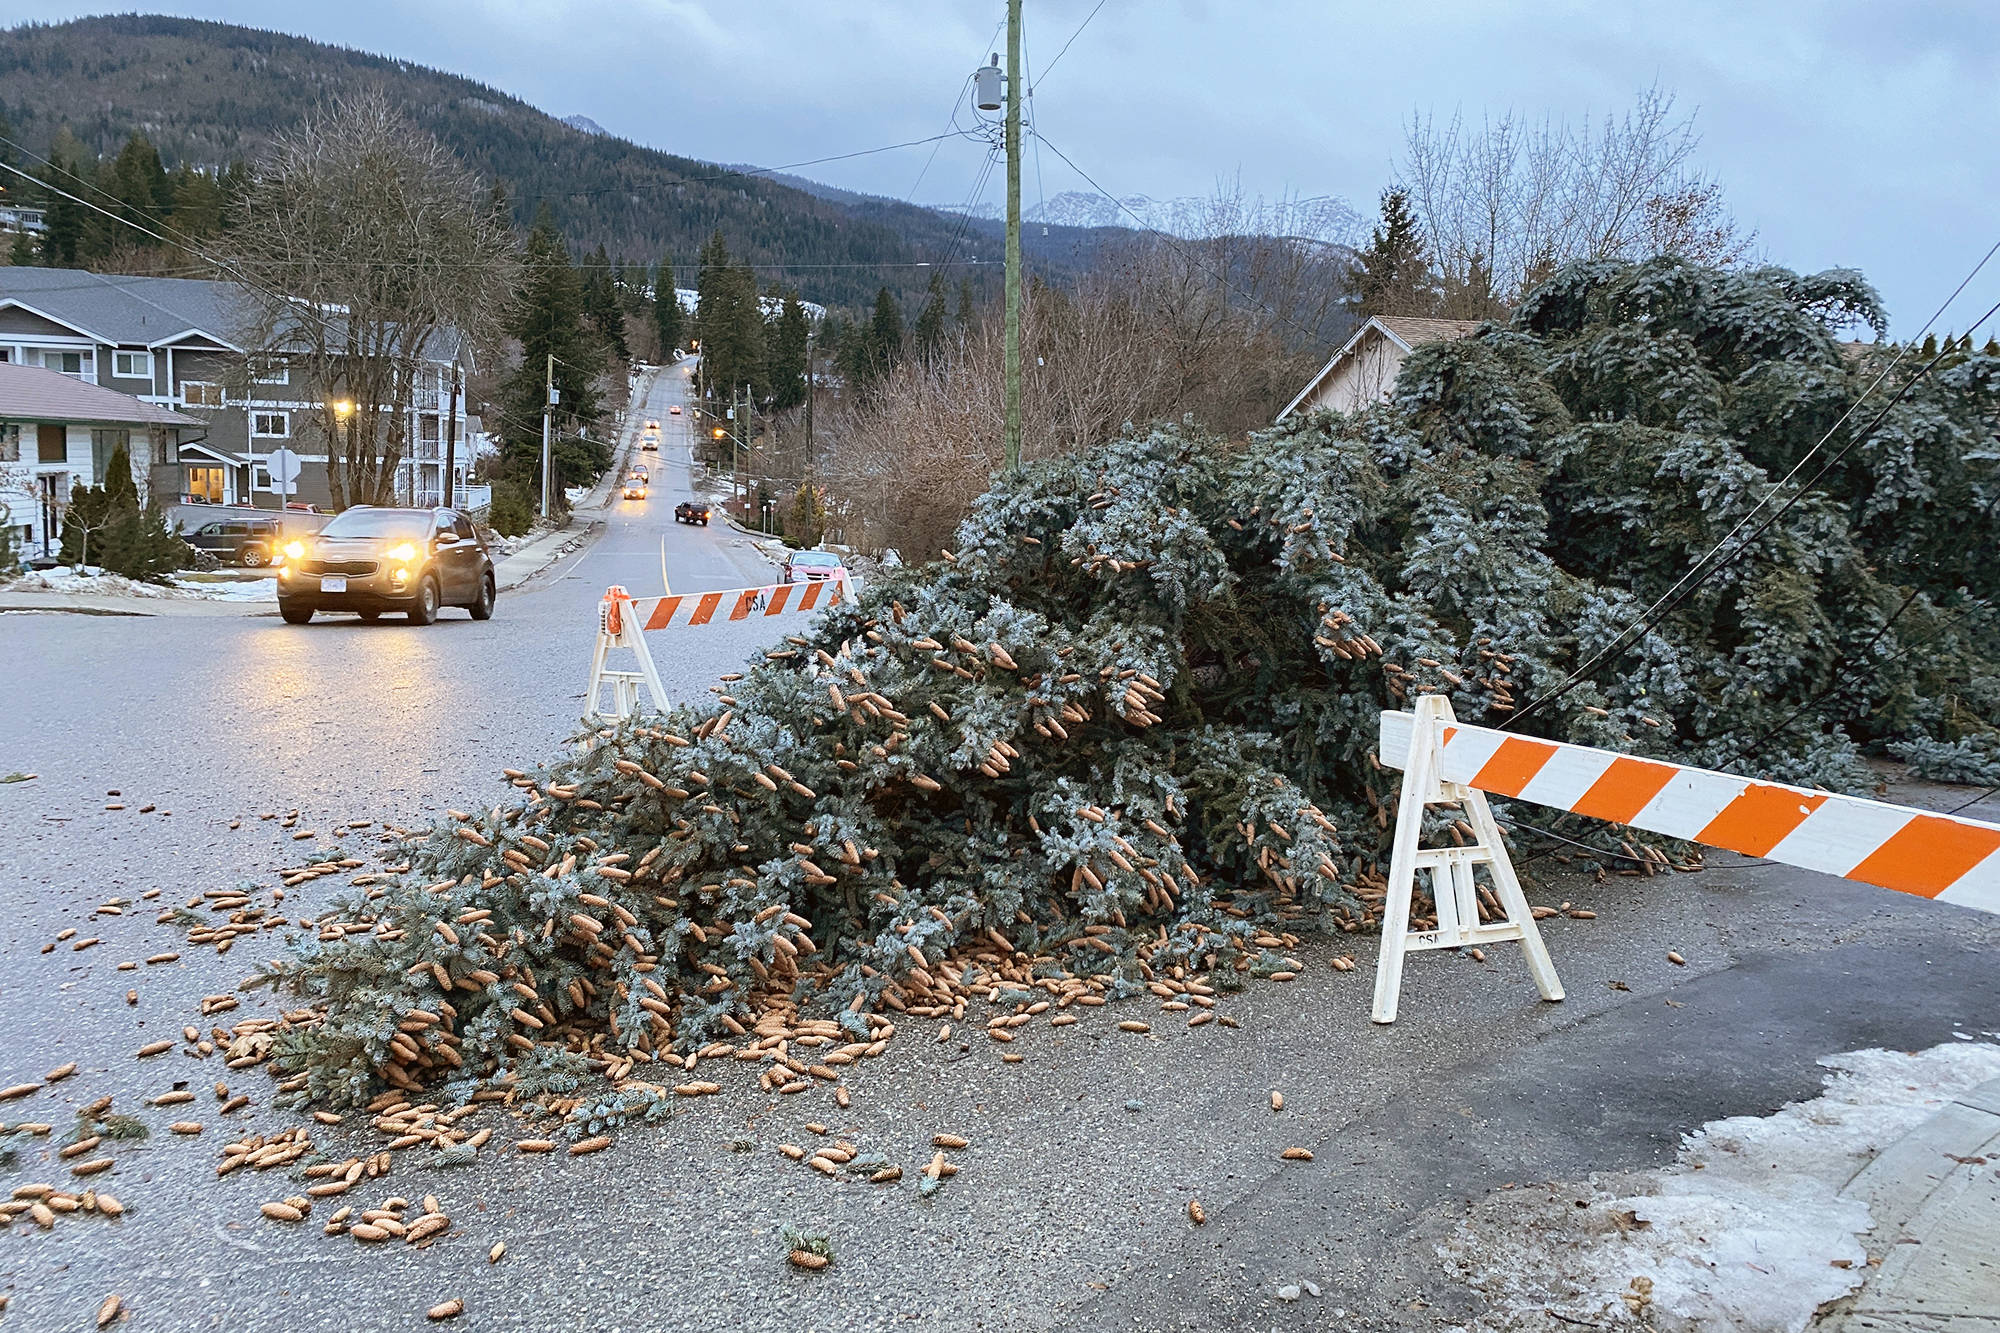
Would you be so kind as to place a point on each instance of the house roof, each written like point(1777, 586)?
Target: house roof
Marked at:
point(1408, 332)
point(30, 393)
point(128, 311)
point(1413, 332)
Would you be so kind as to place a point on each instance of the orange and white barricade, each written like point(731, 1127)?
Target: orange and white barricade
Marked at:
point(622, 622)
point(1930, 855)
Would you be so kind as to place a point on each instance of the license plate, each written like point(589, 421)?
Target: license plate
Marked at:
point(333, 583)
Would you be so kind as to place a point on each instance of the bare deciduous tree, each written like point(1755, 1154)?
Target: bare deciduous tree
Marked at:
point(371, 251)
point(1224, 320)
point(1521, 197)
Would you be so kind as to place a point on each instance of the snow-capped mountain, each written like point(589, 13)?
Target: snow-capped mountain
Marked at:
point(586, 124)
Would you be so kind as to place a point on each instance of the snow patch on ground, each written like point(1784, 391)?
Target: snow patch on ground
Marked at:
point(1746, 1231)
point(94, 582)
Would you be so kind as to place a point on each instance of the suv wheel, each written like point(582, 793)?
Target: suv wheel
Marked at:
point(295, 613)
point(254, 556)
point(424, 611)
point(483, 608)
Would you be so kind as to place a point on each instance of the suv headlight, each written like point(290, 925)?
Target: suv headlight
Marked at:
point(405, 553)
point(296, 550)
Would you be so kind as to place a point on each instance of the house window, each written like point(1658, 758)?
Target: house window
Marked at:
point(51, 444)
point(204, 485)
point(260, 479)
point(10, 444)
point(68, 363)
point(104, 443)
point(427, 429)
point(271, 425)
point(132, 365)
point(271, 374)
point(196, 393)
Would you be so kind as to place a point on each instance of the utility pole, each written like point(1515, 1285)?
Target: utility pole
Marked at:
point(1013, 235)
point(548, 414)
point(987, 97)
point(451, 438)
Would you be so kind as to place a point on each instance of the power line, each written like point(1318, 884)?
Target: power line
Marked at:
point(1173, 242)
point(1692, 581)
point(1066, 45)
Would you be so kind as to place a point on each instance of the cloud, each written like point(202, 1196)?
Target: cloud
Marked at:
point(1837, 127)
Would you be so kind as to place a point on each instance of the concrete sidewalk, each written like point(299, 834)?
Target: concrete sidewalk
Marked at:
point(1934, 1196)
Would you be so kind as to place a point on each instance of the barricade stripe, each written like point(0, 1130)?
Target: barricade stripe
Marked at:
point(1945, 857)
point(1513, 766)
point(1759, 819)
point(1927, 855)
point(1627, 787)
point(705, 610)
point(779, 596)
point(663, 613)
point(1565, 778)
point(1689, 802)
point(744, 601)
point(811, 597)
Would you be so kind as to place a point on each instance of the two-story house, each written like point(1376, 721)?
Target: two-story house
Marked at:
point(177, 343)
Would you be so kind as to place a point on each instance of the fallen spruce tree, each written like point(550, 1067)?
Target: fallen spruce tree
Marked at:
point(1122, 737)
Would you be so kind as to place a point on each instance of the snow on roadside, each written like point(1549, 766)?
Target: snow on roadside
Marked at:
point(1745, 1231)
point(94, 582)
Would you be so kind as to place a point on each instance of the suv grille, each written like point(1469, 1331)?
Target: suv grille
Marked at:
point(353, 567)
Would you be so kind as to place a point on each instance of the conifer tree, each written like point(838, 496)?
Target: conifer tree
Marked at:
point(929, 332)
point(1393, 275)
point(669, 319)
point(65, 220)
point(601, 304)
point(787, 344)
point(885, 335)
point(549, 319)
point(1128, 725)
point(965, 304)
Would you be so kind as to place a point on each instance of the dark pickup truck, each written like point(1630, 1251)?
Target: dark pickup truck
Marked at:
point(692, 511)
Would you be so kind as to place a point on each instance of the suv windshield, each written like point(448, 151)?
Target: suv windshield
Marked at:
point(815, 558)
point(378, 523)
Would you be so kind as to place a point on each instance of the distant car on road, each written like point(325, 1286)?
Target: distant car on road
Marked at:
point(650, 444)
point(812, 566)
point(370, 560)
point(635, 490)
point(692, 511)
point(675, 410)
point(652, 427)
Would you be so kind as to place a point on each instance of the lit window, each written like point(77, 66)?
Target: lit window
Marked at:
point(196, 393)
point(132, 365)
point(271, 425)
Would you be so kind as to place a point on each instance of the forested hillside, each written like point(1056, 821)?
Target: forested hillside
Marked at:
point(212, 93)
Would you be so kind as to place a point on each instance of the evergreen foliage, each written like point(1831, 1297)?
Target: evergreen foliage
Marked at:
point(668, 317)
point(1129, 724)
point(787, 349)
point(1393, 275)
point(106, 526)
point(550, 319)
point(602, 305)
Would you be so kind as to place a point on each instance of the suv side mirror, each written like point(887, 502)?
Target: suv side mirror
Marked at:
point(444, 539)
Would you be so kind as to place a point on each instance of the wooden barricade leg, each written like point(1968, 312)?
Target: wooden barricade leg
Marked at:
point(1452, 873)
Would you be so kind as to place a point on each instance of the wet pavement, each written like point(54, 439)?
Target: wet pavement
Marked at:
point(1070, 1209)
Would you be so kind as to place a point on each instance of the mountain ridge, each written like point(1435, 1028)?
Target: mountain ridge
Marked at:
point(208, 93)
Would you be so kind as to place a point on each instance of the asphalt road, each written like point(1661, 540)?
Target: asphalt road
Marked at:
point(1070, 1209)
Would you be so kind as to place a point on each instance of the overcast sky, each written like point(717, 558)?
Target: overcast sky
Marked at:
point(1845, 132)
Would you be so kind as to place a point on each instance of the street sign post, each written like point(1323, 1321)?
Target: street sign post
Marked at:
point(283, 465)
